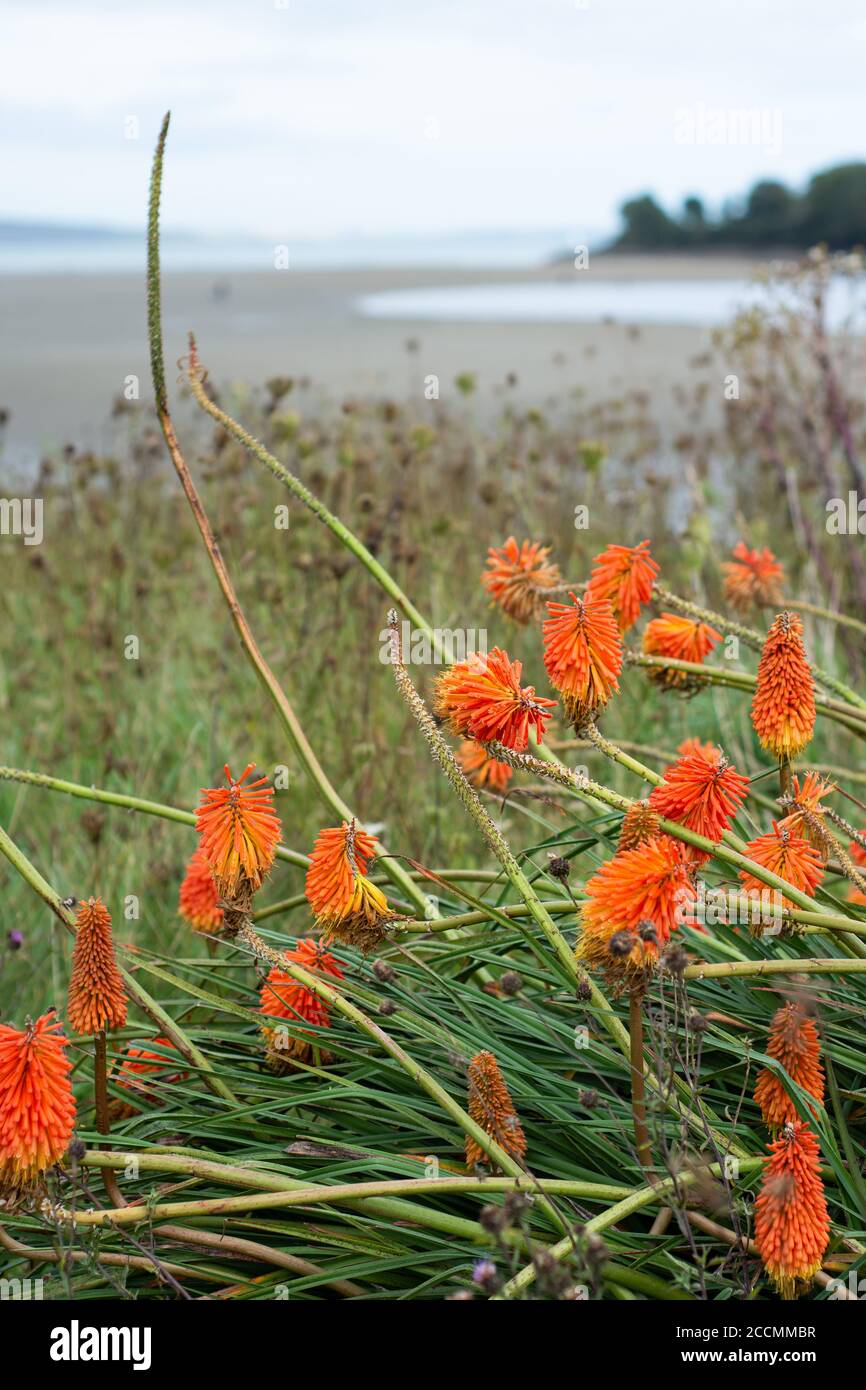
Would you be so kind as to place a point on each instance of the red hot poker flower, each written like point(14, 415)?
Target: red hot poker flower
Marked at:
point(640, 896)
point(679, 639)
point(792, 1226)
point(624, 575)
point(199, 899)
point(582, 654)
point(482, 699)
point(97, 998)
point(793, 1042)
point(346, 904)
point(701, 791)
point(516, 577)
point(37, 1107)
point(283, 997)
point(239, 831)
point(783, 708)
point(753, 576)
point(788, 855)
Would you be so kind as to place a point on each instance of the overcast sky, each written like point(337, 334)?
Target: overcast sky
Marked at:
point(321, 117)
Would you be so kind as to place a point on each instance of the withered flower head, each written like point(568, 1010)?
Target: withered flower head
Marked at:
point(792, 1227)
point(491, 1107)
point(37, 1107)
point(793, 1042)
point(482, 699)
point(752, 577)
point(97, 999)
point(582, 654)
point(346, 904)
point(624, 575)
point(239, 831)
point(517, 577)
point(199, 899)
point(783, 708)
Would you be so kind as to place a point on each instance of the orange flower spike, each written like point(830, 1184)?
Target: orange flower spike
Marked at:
point(808, 810)
point(491, 1107)
point(481, 769)
point(753, 576)
point(283, 997)
point(97, 998)
point(639, 824)
point(37, 1107)
point(701, 791)
point(679, 639)
point(624, 576)
point(516, 577)
point(783, 709)
point(788, 855)
point(239, 831)
point(794, 1042)
point(483, 700)
point(792, 1226)
point(199, 899)
point(647, 884)
point(346, 904)
point(582, 654)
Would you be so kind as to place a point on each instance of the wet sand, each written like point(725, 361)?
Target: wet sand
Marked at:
point(69, 342)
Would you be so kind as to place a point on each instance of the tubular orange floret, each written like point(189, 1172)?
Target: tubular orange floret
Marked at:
point(491, 1107)
point(97, 999)
point(582, 654)
point(37, 1107)
point(787, 854)
point(752, 577)
point(793, 1042)
point(239, 831)
point(482, 699)
point(679, 639)
point(624, 575)
point(346, 904)
point(284, 997)
point(517, 576)
point(199, 899)
point(783, 709)
point(701, 791)
point(792, 1226)
point(639, 824)
point(633, 904)
point(481, 769)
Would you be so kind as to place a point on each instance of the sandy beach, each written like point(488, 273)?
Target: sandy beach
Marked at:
point(71, 341)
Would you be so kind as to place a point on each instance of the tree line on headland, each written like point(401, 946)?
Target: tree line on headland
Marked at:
point(831, 210)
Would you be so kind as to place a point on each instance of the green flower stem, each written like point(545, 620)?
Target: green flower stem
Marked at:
point(831, 965)
point(849, 716)
point(752, 638)
point(831, 616)
point(290, 721)
point(642, 1197)
point(157, 1014)
point(128, 803)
